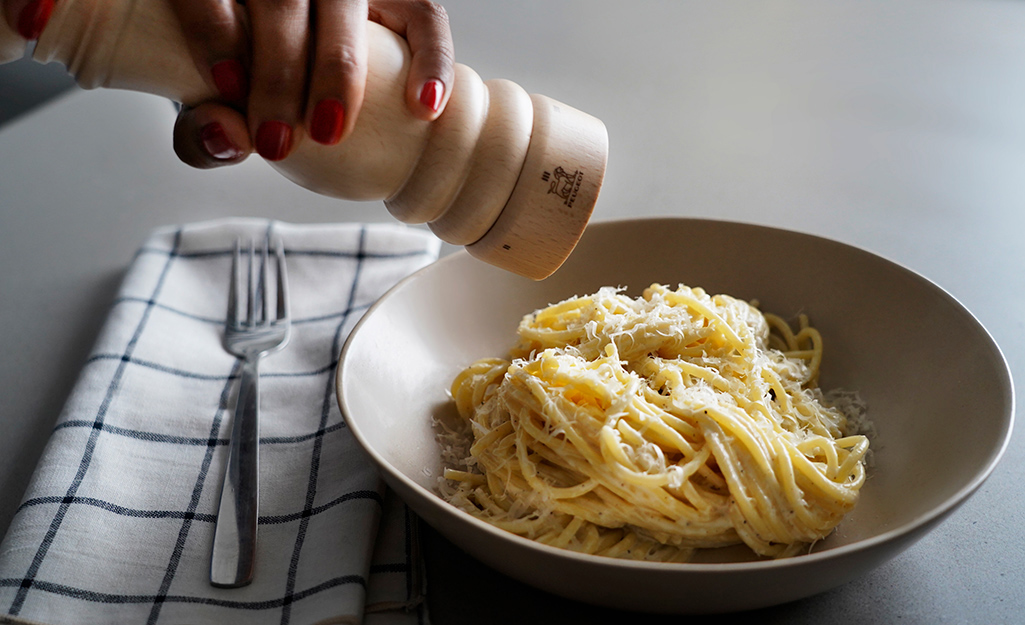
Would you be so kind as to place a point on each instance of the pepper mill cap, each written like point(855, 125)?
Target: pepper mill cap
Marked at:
point(554, 195)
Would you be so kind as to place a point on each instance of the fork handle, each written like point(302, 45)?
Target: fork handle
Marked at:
point(234, 552)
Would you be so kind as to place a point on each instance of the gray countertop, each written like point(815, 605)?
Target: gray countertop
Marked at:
point(898, 127)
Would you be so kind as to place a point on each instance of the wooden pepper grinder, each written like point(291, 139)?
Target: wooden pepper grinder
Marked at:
point(511, 176)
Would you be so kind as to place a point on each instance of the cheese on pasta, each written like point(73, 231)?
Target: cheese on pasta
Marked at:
point(646, 428)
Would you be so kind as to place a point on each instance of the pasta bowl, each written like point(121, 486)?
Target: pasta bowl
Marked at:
point(919, 359)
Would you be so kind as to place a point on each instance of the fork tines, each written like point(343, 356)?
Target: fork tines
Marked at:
point(256, 280)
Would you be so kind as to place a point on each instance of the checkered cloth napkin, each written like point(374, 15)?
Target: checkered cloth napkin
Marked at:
point(118, 521)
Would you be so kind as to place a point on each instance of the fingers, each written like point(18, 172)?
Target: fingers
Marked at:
point(307, 71)
point(339, 76)
point(211, 135)
point(217, 42)
point(338, 79)
point(425, 26)
point(280, 44)
point(260, 68)
point(28, 17)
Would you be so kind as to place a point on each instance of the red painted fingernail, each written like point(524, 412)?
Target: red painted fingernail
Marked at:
point(34, 17)
point(217, 144)
point(230, 79)
point(273, 139)
point(326, 125)
point(431, 93)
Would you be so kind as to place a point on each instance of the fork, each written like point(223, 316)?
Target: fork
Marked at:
point(249, 334)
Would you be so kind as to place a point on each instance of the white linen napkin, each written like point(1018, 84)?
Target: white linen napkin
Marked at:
point(118, 520)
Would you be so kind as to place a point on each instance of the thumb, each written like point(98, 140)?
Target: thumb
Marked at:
point(211, 135)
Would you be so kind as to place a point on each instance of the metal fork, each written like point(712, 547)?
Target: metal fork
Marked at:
point(250, 332)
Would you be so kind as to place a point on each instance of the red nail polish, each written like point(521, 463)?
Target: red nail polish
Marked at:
point(431, 93)
point(273, 139)
point(230, 79)
point(33, 18)
point(217, 144)
point(327, 121)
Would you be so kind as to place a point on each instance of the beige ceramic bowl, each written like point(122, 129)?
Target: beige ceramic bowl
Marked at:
point(937, 387)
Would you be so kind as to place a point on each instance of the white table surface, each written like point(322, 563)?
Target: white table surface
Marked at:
point(895, 126)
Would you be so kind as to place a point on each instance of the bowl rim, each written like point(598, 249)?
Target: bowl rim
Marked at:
point(861, 546)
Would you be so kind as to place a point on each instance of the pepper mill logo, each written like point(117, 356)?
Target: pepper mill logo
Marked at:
point(564, 184)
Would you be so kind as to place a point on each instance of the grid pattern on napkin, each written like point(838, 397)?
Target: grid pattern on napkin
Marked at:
point(118, 520)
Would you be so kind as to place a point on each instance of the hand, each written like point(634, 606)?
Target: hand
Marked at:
point(300, 68)
point(28, 17)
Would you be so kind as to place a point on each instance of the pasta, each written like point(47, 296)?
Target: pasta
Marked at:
point(646, 428)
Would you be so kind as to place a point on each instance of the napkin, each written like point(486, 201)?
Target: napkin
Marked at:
point(118, 520)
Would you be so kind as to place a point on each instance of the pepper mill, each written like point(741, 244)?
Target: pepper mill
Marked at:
point(512, 176)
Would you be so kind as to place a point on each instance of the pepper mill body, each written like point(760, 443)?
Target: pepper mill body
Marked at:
point(512, 176)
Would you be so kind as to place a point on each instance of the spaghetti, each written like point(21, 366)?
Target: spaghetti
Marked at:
point(646, 428)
